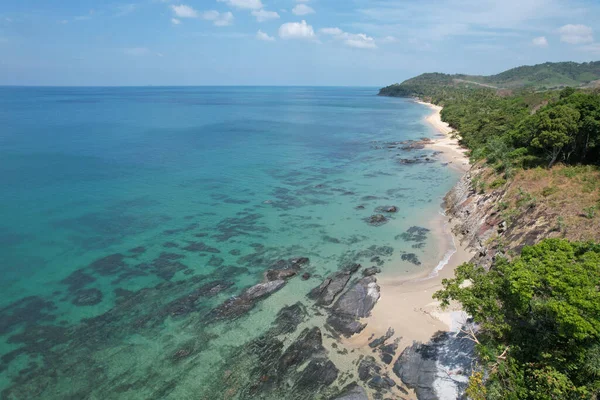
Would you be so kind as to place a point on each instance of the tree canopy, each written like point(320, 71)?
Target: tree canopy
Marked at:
point(539, 322)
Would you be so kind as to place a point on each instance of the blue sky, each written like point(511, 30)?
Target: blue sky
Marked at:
point(284, 42)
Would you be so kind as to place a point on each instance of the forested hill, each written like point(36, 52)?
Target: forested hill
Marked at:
point(541, 76)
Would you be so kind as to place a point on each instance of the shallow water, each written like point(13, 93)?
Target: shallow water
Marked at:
point(116, 203)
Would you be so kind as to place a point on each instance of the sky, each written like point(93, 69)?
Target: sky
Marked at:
point(284, 42)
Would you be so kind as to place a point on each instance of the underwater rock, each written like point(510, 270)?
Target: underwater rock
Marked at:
point(308, 343)
point(381, 340)
point(357, 302)
point(326, 292)
point(285, 269)
point(201, 247)
point(386, 209)
point(138, 250)
point(370, 371)
point(388, 352)
point(274, 280)
point(352, 392)
point(87, 297)
point(411, 258)
point(78, 280)
point(288, 319)
point(371, 271)
point(376, 220)
point(109, 265)
point(414, 234)
point(359, 207)
point(235, 252)
point(186, 304)
point(318, 372)
point(170, 245)
point(306, 276)
point(215, 261)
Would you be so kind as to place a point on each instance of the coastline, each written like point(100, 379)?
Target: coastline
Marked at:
point(446, 142)
point(406, 304)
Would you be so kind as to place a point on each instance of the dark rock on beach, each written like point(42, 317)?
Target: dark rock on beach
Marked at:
point(441, 366)
point(357, 302)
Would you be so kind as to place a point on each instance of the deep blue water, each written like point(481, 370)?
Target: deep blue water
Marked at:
point(117, 195)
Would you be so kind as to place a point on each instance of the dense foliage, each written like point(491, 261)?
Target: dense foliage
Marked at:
point(539, 322)
point(521, 128)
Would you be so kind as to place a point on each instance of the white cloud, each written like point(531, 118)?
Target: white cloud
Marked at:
point(332, 31)
point(136, 51)
point(264, 15)
point(302, 9)
point(389, 39)
point(576, 34)
point(296, 30)
point(540, 41)
point(357, 40)
point(360, 41)
point(183, 11)
point(244, 4)
point(63, 21)
point(260, 35)
point(175, 21)
point(217, 18)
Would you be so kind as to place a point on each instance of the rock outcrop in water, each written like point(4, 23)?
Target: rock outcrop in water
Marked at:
point(274, 279)
point(356, 303)
point(333, 285)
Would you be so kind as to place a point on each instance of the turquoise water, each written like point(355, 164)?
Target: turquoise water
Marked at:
point(117, 201)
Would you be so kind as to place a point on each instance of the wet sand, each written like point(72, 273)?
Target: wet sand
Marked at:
point(446, 142)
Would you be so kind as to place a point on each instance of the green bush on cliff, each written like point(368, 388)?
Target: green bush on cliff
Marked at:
point(539, 322)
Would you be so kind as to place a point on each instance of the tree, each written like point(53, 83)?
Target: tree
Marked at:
point(539, 320)
point(555, 131)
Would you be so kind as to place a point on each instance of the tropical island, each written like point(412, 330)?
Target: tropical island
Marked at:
point(529, 208)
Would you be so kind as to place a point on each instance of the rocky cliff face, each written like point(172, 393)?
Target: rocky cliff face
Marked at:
point(497, 222)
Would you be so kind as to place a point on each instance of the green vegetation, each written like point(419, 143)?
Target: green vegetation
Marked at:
point(538, 319)
point(537, 314)
point(542, 76)
point(519, 128)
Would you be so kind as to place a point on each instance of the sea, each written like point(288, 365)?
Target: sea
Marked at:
point(129, 215)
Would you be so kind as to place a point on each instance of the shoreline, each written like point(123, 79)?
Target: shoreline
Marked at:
point(446, 142)
point(405, 304)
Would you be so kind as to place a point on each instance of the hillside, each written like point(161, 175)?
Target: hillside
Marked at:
point(541, 77)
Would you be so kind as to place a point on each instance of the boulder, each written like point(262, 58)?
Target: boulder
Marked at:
point(357, 302)
point(333, 285)
point(438, 369)
point(352, 392)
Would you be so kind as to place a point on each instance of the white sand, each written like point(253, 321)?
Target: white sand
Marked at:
point(447, 143)
point(406, 303)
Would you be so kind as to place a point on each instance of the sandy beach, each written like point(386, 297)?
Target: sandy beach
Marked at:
point(406, 304)
point(445, 142)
